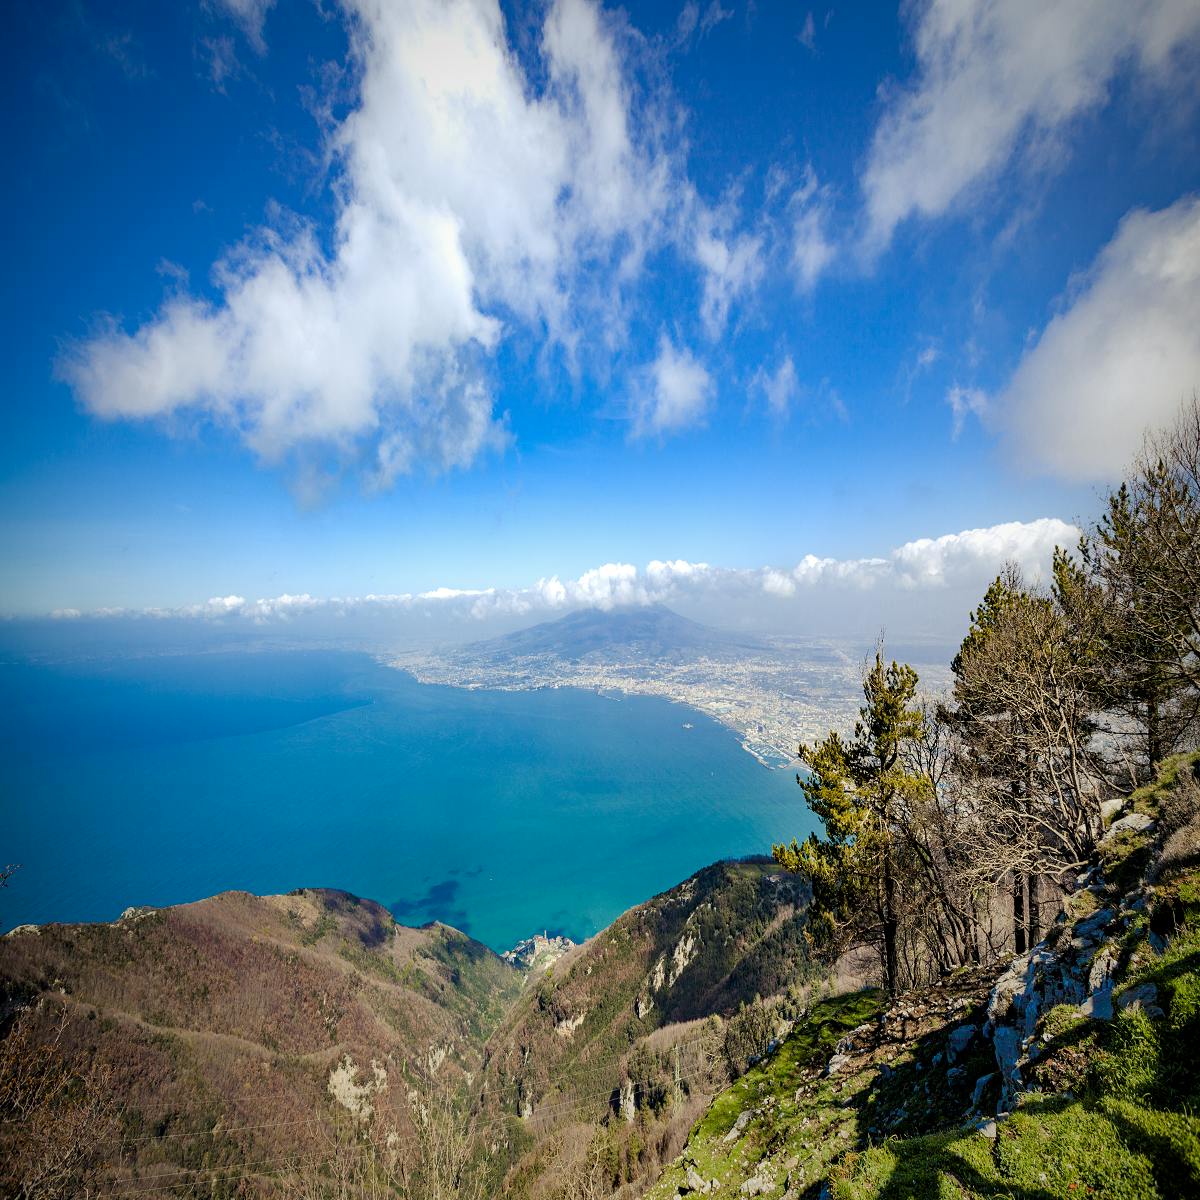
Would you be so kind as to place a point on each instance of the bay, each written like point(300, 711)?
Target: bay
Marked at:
point(161, 780)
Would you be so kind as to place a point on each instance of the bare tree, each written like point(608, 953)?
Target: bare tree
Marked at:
point(448, 1158)
point(58, 1112)
point(1025, 695)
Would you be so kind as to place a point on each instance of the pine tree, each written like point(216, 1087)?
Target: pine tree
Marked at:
point(862, 792)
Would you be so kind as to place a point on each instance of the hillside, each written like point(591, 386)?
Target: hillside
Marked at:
point(639, 1021)
point(244, 1029)
point(1071, 1072)
point(247, 1030)
point(265, 1046)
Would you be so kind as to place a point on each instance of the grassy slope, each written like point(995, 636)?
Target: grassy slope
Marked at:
point(1108, 1106)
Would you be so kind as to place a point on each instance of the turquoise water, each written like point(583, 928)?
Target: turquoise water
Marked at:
point(162, 780)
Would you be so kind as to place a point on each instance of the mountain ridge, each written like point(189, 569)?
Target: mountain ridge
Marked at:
point(645, 633)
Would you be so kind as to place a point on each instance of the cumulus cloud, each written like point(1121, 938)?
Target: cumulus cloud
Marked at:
point(470, 195)
point(996, 77)
point(676, 393)
point(1120, 357)
point(955, 564)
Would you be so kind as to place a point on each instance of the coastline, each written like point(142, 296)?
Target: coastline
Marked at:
point(765, 752)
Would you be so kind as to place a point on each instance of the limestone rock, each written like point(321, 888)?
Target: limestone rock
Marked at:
point(1134, 822)
point(981, 1085)
point(739, 1126)
point(756, 1185)
point(836, 1063)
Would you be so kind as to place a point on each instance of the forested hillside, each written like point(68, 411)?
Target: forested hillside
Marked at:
point(206, 1048)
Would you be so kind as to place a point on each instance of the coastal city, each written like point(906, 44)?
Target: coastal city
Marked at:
point(773, 697)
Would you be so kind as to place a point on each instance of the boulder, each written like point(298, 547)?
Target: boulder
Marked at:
point(1134, 822)
point(739, 1126)
point(1144, 996)
point(1099, 1005)
point(836, 1063)
point(981, 1085)
point(959, 1040)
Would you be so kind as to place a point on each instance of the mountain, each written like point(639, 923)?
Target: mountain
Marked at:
point(640, 1025)
point(243, 1029)
point(308, 1045)
point(643, 635)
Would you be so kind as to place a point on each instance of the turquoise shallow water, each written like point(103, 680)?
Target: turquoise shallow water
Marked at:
point(166, 779)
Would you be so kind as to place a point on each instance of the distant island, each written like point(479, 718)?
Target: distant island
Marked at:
point(772, 692)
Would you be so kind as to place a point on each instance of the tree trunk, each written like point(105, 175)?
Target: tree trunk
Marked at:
point(1035, 911)
point(1018, 910)
point(1154, 748)
point(891, 963)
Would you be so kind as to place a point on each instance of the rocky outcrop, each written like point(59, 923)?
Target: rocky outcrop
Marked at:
point(1078, 964)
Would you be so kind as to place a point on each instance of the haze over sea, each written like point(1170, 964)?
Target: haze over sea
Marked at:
point(165, 779)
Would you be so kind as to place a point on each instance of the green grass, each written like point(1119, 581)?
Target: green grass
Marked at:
point(1128, 1135)
point(784, 1119)
point(1049, 1148)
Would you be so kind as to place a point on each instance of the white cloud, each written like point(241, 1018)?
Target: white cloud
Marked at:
point(995, 77)
point(251, 15)
point(1122, 355)
point(807, 37)
point(779, 387)
point(714, 15)
point(812, 249)
point(690, 20)
point(468, 198)
point(965, 402)
point(960, 559)
point(955, 564)
point(732, 264)
point(676, 394)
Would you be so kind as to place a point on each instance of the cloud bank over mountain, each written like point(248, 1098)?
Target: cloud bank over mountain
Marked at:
point(925, 585)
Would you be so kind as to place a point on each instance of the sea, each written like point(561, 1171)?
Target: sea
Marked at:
point(165, 779)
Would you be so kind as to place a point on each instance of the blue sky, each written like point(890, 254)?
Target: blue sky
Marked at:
point(387, 297)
